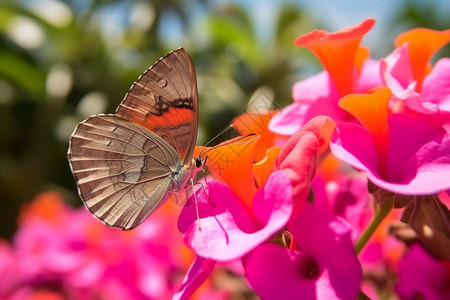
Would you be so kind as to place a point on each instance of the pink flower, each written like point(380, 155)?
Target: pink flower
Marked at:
point(347, 70)
point(229, 226)
point(321, 265)
point(8, 270)
point(225, 230)
point(346, 197)
point(400, 153)
point(405, 71)
point(420, 276)
point(67, 250)
point(199, 271)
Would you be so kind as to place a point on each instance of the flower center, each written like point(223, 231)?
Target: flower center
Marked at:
point(308, 266)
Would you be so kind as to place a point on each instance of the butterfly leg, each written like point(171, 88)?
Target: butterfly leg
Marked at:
point(196, 204)
point(206, 191)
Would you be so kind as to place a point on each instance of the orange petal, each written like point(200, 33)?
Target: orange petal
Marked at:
point(361, 55)
point(232, 163)
point(372, 111)
point(423, 43)
point(337, 52)
point(329, 167)
point(47, 205)
point(45, 294)
point(258, 123)
point(265, 167)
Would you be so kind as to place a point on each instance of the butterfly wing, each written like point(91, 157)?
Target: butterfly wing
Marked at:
point(164, 100)
point(122, 170)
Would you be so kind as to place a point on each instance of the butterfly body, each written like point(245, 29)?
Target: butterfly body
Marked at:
point(129, 163)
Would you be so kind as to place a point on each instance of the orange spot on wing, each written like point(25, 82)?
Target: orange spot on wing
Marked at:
point(170, 118)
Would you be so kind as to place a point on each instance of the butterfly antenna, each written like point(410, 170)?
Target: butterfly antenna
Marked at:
point(218, 135)
point(202, 153)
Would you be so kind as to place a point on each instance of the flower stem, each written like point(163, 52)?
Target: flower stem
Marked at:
point(380, 214)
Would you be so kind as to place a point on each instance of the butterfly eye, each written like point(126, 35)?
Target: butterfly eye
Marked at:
point(199, 162)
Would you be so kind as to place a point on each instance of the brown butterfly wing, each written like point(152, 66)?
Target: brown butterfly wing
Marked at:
point(164, 100)
point(122, 170)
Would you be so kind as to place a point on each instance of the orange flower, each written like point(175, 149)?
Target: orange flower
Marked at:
point(423, 43)
point(245, 163)
point(372, 111)
point(339, 52)
point(47, 205)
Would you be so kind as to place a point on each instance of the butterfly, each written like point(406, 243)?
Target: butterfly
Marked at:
point(129, 163)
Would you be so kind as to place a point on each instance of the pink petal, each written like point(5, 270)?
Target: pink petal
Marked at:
point(221, 200)
point(433, 170)
point(313, 96)
point(313, 88)
point(289, 120)
point(397, 75)
point(270, 270)
point(354, 144)
point(406, 136)
point(436, 86)
point(419, 155)
point(328, 240)
point(421, 276)
point(396, 69)
point(220, 238)
point(198, 272)
point(298, 157)
point(369, 76)
point(276, 272)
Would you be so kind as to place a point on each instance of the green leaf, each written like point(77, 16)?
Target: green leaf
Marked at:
point(22, 73)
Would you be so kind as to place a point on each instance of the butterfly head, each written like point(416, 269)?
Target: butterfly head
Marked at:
point(199, 162)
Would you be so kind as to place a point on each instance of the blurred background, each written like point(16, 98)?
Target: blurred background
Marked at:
point(61, 61)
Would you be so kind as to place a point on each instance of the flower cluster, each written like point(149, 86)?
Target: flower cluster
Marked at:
point(306, 205)
point(301, 206)
point(64, 253)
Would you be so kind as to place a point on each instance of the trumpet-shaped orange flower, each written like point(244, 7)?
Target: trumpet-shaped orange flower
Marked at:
point(339, 52)
point(423, 43)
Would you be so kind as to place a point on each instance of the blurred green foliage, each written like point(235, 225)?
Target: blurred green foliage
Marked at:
point(61, 61)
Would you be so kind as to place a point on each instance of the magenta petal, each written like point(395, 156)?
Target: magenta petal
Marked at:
point(432, 161)
point(274, 201)
point(328, 239)
point(326, 267)
point(196, 275)
point(220, 238)
point(354, 144)
point(420, 275)
point(406, 136)
point(221, 200)
point(270, 270)
point(418, 159)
